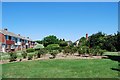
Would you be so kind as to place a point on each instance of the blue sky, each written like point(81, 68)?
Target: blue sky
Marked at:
point(66, 20)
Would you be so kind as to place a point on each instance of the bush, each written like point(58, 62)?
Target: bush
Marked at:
point(91, 51)
point(41, 52)
point(74, 49)
point(60, 49)
point(54, 53)
point(63, 44)
point(30, 56)
point(30, 50)
point(52, 47)
point(83, 50)
point(101, 52)
point(24, 54)
point(80, 51)
point(67, 50)
point(13, 56)
point(38, 46)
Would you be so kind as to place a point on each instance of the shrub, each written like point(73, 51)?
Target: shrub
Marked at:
point(74, 49)
point(91, 51)
point(13, 56)
point(101, 52)
point(63, 44)
point(83, 50)
point(24, 54)
point(54, 53)
point(52, 47)
point(95, 52)
point(80, 51)
point(30, 56)
point(41, 52)
point(38, 46)
point(60, 49)
point(67, 50)
point(30, 50)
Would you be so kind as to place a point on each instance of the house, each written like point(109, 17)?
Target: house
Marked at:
point(78, 42)
point(11, 42)
point(69, 43)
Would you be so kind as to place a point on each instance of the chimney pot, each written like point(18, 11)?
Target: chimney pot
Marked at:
point(86, 36)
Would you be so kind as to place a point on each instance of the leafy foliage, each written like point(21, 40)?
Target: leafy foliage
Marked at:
point(67, 50)
point(38, 46)
point(24, 54)
point(41, 52)
point(54, 53)
point(30, 56)
point(30, 50)
point(13, 56)
point(52, 46)
point(63, 44)
point(50, 40)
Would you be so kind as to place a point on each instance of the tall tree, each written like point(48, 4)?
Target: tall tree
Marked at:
point(51, 39)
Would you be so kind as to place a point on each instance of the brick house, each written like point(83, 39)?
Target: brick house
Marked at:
point(11, 42)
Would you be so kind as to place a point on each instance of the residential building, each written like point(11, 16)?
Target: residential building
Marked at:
point(77, 43)
point(11, 42)
point(69, 43)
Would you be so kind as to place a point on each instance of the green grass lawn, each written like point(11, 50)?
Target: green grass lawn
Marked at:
point(82, 68)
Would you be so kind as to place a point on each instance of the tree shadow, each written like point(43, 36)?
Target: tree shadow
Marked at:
point(116, 69)
point(113, 57)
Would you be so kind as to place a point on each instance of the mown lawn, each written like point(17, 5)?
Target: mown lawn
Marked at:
point(82, 68)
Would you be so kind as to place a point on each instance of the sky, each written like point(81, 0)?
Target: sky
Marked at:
point(68, 20)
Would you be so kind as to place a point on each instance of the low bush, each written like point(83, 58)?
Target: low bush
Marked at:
point(73, 50)
point(53, 47)
point(101, 52)
point(24, 54)
point(54, 53)
point(67, 50)
point(60, 49)
point(42, 51)
point(13, 56)
point(30, 56)
point(80, 51)
point(30, 50)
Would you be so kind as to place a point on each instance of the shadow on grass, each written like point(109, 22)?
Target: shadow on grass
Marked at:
point(115, 58)
point(116, 69)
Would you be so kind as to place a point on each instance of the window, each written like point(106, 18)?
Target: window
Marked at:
point(6, 37)
point(15, 40)
point(9, 37)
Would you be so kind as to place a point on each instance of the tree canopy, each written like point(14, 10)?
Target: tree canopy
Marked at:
point(50, 40)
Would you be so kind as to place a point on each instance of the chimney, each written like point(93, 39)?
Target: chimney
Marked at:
point(5, 29)
point(18, 34)
point(86, 36)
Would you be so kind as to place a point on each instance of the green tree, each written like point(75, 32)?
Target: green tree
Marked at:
point(63, 44)
point(97, 39)
point(39, 41)
point(82, 41)
point(50, 40)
